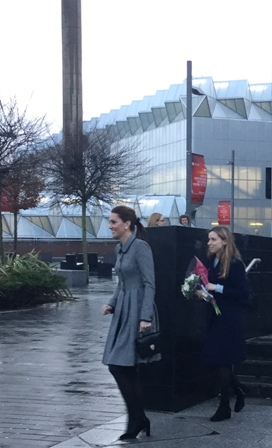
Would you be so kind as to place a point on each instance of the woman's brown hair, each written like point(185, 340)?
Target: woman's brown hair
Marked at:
point(128, 214)
point(229, 249)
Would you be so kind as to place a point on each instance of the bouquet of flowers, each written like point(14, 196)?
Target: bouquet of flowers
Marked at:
point(190, 286)
point(196, 279)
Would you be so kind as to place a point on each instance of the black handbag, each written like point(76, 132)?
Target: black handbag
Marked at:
point(148, 344)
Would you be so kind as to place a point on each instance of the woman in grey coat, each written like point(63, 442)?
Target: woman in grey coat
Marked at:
point(132, 307)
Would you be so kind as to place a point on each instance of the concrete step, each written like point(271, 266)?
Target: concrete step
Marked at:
point(259, 348)
point(255, 367)
point(256, 372)
point(261, 387)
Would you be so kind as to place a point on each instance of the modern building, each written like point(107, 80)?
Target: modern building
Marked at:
point(62, 221)
point(230, 118)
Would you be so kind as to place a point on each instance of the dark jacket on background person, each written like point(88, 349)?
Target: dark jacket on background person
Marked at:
point(225, 341)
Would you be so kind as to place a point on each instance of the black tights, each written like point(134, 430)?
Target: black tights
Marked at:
point(228, 380)
point(128, 382)
point(225, 376)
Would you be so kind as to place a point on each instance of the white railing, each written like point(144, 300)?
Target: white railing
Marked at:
point(252, 264)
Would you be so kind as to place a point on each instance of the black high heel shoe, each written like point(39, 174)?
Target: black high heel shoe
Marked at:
point(144, 426)
point(223, 413)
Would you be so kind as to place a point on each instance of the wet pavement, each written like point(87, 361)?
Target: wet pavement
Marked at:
point(52, 382)
point(55, 392)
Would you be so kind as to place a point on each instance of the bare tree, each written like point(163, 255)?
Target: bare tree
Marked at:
point(104, 170)
point(19, 137)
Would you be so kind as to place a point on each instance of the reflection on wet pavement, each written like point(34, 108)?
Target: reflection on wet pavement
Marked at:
point(51, 371)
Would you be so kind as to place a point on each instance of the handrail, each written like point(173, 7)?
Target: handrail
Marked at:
point(252, 263)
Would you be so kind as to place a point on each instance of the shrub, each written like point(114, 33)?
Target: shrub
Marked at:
point(27, 281)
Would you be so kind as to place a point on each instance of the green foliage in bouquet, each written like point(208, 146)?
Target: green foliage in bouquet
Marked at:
point(27, 281)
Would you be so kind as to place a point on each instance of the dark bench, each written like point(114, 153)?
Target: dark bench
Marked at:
point(104, 269)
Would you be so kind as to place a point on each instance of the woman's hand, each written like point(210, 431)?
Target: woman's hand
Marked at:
point(201, 294)
point(106, 309)
point(144, 325)
point(210, 287)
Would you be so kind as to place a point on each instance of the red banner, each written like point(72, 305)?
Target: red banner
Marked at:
point(199, 179)
point(223, 212)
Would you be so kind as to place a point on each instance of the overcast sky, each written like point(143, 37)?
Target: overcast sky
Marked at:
point(130, 49)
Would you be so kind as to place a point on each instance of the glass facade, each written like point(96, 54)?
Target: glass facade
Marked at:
point(252, 157)
point(231, 117)
point(64, 222)
point(215, 139)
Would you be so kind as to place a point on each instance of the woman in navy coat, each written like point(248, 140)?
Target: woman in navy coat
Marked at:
point(132, 307)
point(225, 342)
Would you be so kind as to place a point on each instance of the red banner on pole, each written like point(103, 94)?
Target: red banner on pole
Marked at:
point(199, 179)
point(223, 212)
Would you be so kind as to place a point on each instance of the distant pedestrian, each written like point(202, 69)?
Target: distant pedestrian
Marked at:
point(156, 220)
point(184, 220)
point(225, 342)
point(132, 307)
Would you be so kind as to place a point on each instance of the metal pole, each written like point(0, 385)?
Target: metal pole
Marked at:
point(72, 78)
point(232, 189)
point(189, 142)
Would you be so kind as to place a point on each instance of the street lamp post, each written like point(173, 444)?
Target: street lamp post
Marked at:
point(189, 141)
point(189, 133)
point(232, 162)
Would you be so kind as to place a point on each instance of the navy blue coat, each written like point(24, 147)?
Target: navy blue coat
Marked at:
point(225, 342)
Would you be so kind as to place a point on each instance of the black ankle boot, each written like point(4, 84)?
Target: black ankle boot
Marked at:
point(223, 412)
point(240, 399)
point(132, 434)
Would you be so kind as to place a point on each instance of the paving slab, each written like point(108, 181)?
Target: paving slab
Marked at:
point(190, 428)
point(55, 392)
point(75, 442)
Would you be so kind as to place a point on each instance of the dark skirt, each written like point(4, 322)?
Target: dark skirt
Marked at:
point(225, 342)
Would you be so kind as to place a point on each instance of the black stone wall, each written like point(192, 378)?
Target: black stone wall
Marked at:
point(180, 380)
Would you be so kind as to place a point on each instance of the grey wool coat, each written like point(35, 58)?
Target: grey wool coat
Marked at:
point(132, 301)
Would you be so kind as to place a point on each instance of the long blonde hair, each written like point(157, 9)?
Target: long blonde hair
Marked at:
point(153, 219)
point(229, 250)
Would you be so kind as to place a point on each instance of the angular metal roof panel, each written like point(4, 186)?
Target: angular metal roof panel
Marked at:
point(134, 124)
point(6, 223)
point(27, 229)
point(259, 114)
point(159, 114)
point(169, 105)
point(175, 109)
point(231, 89)
point(68, 229)
point(205, 85)
point(181, 204)
point(222, 111)
point(104, 231)
point(146, 104)
point(147, 119)
point(158, 204)
point(261, 92)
